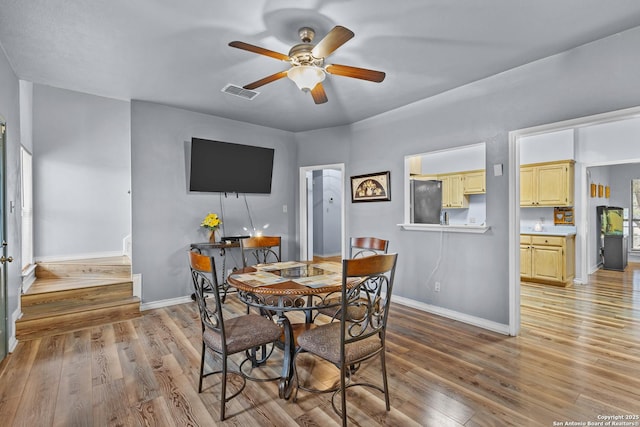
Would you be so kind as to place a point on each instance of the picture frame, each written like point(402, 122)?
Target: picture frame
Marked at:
point(372, 187)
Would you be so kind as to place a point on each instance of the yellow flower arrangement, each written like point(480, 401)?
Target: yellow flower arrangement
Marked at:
point(211, 222)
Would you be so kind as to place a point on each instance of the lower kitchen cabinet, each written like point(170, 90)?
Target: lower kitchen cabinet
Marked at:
point(547, 259)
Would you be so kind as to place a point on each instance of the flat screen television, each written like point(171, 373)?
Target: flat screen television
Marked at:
point(223, 167)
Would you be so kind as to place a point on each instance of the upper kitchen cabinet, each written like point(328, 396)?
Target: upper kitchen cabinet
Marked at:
point(475, 182)
point(453, 191)
point(415, 165)
point(547, 184)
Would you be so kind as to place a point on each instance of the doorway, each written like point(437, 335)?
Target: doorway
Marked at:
point(322, 211)
point(588, 136)
point(619, 178)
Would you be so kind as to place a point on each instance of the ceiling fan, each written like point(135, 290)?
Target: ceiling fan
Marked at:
point(307, 62)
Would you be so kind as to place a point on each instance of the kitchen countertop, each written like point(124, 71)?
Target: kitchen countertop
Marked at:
point(550, 231)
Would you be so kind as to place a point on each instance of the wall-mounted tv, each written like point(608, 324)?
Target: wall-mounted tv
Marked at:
point(230, 168)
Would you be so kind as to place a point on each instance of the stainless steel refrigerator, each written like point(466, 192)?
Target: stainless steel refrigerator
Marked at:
point(426, 201)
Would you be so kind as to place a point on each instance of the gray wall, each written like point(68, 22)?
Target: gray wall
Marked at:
point(10, 112)
point(82, 173)
point(318, 216)
point(166, 217)
point(331, 212)
point(598, 175)
point(595, 78)
point(327, 212)
point(620, 177)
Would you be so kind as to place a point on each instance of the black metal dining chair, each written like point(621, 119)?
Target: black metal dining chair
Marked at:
point(261, 249)
point(358, 332)
point(366, 246)
point(359, 247)
point(223, 337)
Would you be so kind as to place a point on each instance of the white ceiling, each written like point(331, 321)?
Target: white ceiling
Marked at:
point(176, 52)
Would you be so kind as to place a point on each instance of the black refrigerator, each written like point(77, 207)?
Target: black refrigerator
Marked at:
point(426, 201)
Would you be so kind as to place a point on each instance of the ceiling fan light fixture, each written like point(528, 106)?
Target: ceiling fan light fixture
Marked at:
point(307, 62)
point(306, 77)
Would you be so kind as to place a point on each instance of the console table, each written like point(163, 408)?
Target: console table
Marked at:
point(210, 247)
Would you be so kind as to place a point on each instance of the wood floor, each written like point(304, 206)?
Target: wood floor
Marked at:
point(577, 360)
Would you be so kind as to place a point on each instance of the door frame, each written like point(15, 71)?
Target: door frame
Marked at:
point(303, 206)
point(514, 200)
point(4, 317)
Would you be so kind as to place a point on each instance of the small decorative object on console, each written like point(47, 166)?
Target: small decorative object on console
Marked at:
point(211, 222)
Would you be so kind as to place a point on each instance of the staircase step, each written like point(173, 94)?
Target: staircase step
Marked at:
point(86, 268)
point(44, 291)
point(77, 294)
point(70, 315)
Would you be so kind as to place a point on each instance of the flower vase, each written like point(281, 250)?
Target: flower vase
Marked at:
point(213, 236)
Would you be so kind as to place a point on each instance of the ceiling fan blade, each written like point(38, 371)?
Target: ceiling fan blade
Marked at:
point(334, 39)
point(355, 72)
point(264, 81)
point(318, 94)
point(260, 50)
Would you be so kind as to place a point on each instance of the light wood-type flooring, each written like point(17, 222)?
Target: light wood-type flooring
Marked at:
point(577, 360)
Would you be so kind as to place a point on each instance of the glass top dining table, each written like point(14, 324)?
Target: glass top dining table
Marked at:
point(289, 278)
point(283, 287)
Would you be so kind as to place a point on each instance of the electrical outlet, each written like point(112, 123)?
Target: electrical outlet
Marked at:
point(437, 287)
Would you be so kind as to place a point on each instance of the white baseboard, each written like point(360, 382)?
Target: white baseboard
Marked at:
point(450, 314)
point(454, 315)
point(55, 258)
point(332, 254)
point(13, 342)
point(137, 285)
point(137, 291)
point(164, 303)
point(127, 249)
point(28, 277)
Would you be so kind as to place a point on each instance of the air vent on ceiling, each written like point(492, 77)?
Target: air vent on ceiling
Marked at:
point(240, 91)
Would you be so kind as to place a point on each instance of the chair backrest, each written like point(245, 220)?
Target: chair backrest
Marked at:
point(203, 275)
point(365, 307)
point(366, 246)
point(261, 249)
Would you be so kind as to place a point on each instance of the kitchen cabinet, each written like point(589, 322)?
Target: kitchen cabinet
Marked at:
point(525, 260)
point(547, 259)
point(474, 182)
point(547, 184)
point(415, 165)
point(453, 191)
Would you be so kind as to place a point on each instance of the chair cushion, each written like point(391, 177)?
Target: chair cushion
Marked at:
point(353, 311)
point(242, 333)
point(324, 341)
